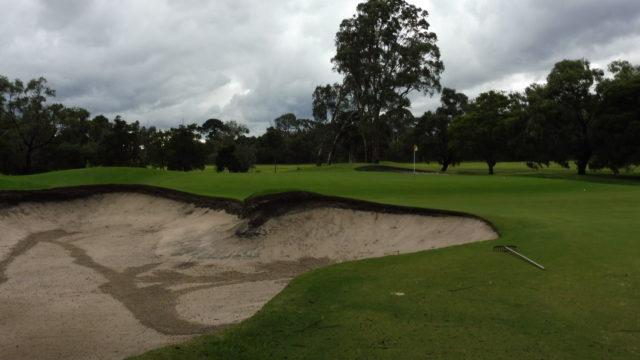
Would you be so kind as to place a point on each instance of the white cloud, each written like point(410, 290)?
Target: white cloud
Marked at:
point(168, 61)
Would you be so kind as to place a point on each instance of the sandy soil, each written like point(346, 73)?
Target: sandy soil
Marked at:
point(118, 274)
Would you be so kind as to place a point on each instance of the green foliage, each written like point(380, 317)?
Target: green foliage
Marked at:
point(616, 130)
point(482, 132)
point(238, 158)
point(334, 111)
point(432, 130)
point(29, 120)
point(119, 144)
point(570, 84)
point(184, 150)
point(385, 51)
point(291, 140)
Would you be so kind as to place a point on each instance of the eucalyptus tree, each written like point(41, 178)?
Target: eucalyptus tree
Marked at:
point(616, 128)
point(185, 151)
point(385, 52)
point(433, 128)
point(25, 111)
point(571, 84)
point(482, 134)
point(333, 109)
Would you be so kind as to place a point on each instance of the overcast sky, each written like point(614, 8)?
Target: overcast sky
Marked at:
point(167, 62)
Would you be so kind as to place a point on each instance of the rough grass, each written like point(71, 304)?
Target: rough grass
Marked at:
point(460, 302)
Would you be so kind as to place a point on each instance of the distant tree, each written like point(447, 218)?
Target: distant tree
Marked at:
point(236, 158)
point(571, 85)
point(299, 137)
point(185, 151)
point(385, 51)
point(8, 163)
point(615, 131)
point(334, 109)
point(245, 157)
point(155, 146)
point(434, 128)
point(72, 149)
point(398, 143)
point(482, 133)
point(288, 123)
point(273, 145)
point(232, 131)
point(33, 122)
point(212, 128)
point(119, 144)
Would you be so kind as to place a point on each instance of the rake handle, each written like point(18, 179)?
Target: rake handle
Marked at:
point(524, 257)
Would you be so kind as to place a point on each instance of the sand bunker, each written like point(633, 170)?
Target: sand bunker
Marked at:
point(115, 274)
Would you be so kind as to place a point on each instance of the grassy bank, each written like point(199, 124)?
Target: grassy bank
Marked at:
point(460, 302)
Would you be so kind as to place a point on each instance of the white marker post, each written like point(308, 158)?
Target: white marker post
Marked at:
point(415, 150)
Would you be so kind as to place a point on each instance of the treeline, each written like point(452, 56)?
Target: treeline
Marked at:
point(384, 53)
point(578, 116)
point(37, 136)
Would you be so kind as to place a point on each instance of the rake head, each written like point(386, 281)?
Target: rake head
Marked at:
point(503, 248)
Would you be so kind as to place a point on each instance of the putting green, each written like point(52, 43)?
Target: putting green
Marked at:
point(464, 301)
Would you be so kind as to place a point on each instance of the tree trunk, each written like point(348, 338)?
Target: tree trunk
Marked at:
point(584, 153)
point(445, 166)
point(583, 158)
point(333, 146)
point(375, 155)
point(582, 167)
point(366, 149)
point(27, 165)
point(319, 156)
point(491, 164)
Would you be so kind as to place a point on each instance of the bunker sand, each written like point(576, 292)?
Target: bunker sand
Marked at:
point(106, 274)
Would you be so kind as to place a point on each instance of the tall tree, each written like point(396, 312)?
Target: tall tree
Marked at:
point(616, 128)
point(71, 148)
point(185, 151)
point(333, 107)
point(119, 144)
point(482, 133)
point(434, 128)
point(385, 51)
point(571, 85)
point(34, 121)
point(154, 143)
point(212, 128)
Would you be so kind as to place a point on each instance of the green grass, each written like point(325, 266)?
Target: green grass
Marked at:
point(461, 302)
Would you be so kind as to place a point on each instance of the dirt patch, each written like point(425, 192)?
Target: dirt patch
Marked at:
point(109, 271)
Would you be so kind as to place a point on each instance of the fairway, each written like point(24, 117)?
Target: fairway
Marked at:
point(459, 302)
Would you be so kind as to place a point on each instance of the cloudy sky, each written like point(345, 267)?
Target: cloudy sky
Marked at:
point(166, 62)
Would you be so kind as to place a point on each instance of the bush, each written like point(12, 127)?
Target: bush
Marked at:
point(236, 158)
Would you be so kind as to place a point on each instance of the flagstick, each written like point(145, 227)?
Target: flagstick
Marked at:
point(414, 162)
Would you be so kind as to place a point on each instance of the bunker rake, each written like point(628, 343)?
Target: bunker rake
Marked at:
point(512, 250)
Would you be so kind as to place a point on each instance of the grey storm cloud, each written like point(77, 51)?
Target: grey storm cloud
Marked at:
point(171, 62)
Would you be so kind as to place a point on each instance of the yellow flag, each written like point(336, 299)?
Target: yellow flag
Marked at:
point(415, 147)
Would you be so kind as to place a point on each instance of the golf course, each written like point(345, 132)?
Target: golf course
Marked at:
point(463, 301)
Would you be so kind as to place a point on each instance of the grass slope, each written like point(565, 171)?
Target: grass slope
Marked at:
point(461, 302)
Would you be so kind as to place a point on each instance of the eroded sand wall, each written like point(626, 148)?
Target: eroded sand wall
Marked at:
point(116, 274)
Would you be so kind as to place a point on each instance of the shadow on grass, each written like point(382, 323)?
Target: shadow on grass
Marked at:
point(625, 179)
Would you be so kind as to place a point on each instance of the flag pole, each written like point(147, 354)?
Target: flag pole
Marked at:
point(415, 150)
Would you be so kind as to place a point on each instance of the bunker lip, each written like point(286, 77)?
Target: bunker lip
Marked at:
point(256, 209)
point(394, 169)
point(106, 271)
